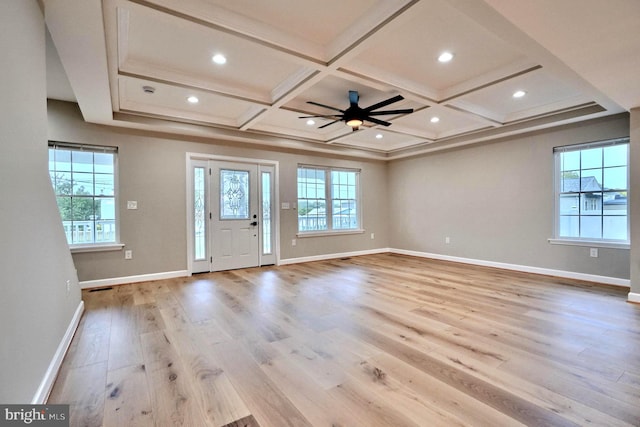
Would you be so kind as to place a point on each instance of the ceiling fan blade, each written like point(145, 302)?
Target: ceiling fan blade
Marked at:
point(380, 113)
point(328, 116)
point(328, 124)
point(376, 121)
point(325, 106)
point(354, 97)
point(383, 103)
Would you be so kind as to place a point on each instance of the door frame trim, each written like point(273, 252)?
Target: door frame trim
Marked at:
point(191, 156)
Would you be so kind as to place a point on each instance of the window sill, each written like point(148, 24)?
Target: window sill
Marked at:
point(76, 249)
point(328, 233)
point(590, 243)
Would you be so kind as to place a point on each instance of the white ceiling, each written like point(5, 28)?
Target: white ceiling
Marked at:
point(576, 60)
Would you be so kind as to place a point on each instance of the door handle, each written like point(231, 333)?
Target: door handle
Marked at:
point(254, 223)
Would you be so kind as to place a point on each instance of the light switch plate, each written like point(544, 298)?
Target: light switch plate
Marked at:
point(286, 205)
point(132, 204)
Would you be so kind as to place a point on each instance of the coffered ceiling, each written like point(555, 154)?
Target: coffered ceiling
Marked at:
point(136, 63)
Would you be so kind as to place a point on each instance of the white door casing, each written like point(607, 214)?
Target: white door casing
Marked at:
point(232, 219)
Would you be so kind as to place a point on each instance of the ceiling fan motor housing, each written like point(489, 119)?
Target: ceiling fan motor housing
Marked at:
point(354, 117)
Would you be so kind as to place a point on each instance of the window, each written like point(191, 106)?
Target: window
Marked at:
point(267, 239)
point(592, 183)
point(83, 179)
point(199, 214)
point(316, 186)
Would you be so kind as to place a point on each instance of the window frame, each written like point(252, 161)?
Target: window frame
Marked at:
point(557, 172)
point(328, 199)
point(94, 246)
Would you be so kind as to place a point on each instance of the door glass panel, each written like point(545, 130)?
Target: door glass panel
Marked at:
point(199, 214)
point(234, 194)
point(266, 213)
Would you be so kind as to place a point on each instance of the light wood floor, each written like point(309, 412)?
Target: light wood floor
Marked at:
point(380, 340)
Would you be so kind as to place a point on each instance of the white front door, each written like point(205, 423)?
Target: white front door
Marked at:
point(235, 240)
point(232, 221)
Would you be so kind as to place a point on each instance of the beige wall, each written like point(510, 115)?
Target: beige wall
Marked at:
point(495, 202)
point(35, 307)
point(152, 171)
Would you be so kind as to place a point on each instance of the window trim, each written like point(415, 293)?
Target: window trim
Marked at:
point(577, 241)
point(330, 231)
point(303, 234)
point(590, 243)
point(106, 246)
point(98, 247)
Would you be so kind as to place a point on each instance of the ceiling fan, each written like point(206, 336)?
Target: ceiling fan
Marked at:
point(354, 116)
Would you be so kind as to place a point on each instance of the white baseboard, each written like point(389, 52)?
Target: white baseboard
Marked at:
point(633, 297)
point(524, 268)
point(42, 394)
point(516, 267)
point(331, 256)
point(101, 283)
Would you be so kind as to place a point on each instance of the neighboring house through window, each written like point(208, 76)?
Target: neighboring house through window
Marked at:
point(316, 186)
point(592, 184)
point(84, 182)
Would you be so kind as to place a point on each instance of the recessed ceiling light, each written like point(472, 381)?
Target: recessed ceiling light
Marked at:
point(519, 93)
point(193, 99)
point(434, 119)
point(219, 59)
point(445, 57)
point(379, 136)
point(311, 122)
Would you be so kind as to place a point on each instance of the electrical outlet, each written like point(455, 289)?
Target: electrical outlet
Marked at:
point(447, 240)
point(593, 252)
point(128, 254)
point(373, 236)
point(68, 286)
point(293, 242)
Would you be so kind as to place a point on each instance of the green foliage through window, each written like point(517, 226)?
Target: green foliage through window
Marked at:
point(83, 179)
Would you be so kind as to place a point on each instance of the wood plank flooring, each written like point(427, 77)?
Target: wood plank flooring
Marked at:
point(377, 340)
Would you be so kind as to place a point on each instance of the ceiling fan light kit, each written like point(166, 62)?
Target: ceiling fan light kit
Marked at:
point(354, 123)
